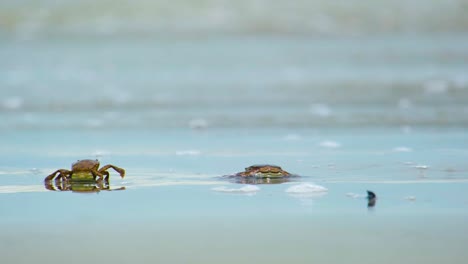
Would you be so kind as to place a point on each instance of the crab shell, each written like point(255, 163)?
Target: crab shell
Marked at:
point(81, 170)
point(85, 165)
point(264, 171)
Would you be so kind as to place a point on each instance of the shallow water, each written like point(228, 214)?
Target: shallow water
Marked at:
point(351, 96)
point(174, 209)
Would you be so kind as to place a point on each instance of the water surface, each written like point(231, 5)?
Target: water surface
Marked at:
point(351, 96)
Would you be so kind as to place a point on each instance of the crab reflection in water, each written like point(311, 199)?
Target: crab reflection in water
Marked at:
point(80, 186)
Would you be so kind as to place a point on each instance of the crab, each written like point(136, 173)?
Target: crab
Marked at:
point(261, 174)
point(84, 170)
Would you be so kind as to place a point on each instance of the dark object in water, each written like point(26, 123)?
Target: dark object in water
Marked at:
point(371, 199)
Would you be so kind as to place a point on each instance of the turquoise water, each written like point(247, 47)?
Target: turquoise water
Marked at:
point(174, 209)
point(352, 96)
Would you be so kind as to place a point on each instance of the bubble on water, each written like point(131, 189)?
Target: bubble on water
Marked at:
point(460, 81)
point(294, 74)
point(100, 153)
point(94, 122)
point(198, 123)
point(406, 129)
point(13, 103)
point(248, 189)
point(421, 167)
point(292, 137)
point(402, 149)
point(121, 98)
point(329, 144)
point(435, 87)
point(404, 103)
point(188, 152)
point(321, 110)
point(35, 171)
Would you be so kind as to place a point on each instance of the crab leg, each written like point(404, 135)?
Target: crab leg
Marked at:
point(61, 174)
point(49, 185)
point(98, 174)
point(104, 169)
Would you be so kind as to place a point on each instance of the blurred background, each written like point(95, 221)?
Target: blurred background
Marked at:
point(249, 63)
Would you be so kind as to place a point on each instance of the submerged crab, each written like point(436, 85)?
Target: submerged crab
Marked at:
point(263, 173)
point(84, 170)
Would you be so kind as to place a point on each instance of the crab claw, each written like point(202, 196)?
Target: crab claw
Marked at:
point(49, 178)
point(121, 172)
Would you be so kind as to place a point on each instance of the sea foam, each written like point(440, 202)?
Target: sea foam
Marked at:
point(306, 188)
point(402, 149)
point(189, 152)
point(248, 189)
point(329, 144)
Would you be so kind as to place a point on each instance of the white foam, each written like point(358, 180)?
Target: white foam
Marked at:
point(95, 122)
point(355, 195)
point(306, 191)
point(404, 103)
point(406, 129)
point(189, 152)
point(402, 149)
point(306, 188)
point(410, 198)
point(246, 189)
point(35, 171)
point(436, 87)
point(100, 153)
point(321, 110)
point(460, 82)
point(421, 167)
point(13, 103)
point(22, 188)
point(120, 97)
point(198, 123)
point(329, 144)
point(292, 137)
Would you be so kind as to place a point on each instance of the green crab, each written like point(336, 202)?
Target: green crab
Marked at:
point(264, 171)
point(84, 170)
point(262, 174)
